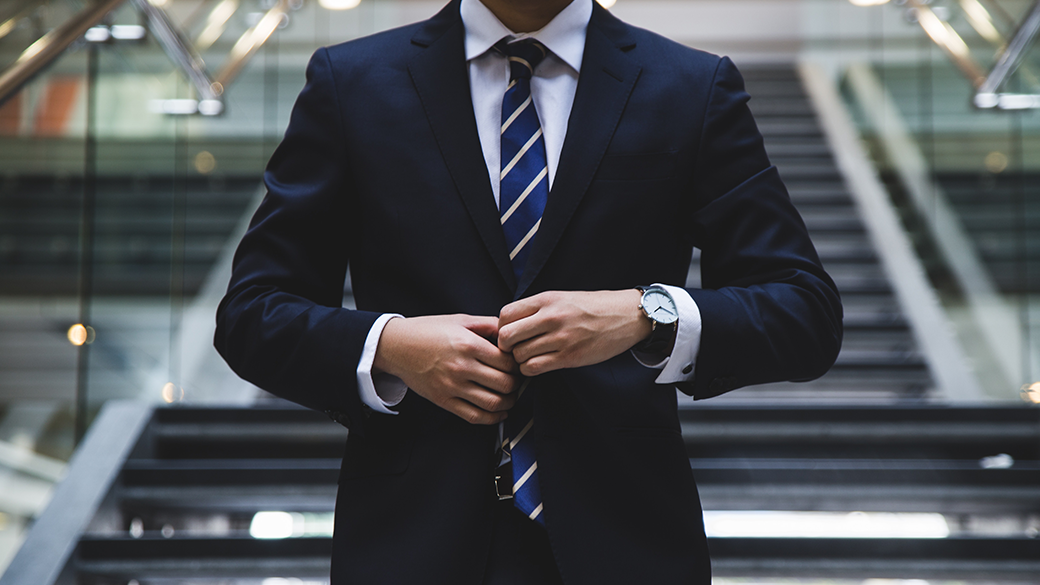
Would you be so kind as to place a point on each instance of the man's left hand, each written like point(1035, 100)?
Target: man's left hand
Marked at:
point(557, 329)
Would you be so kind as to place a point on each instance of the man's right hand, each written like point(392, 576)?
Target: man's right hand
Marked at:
point(449, 360)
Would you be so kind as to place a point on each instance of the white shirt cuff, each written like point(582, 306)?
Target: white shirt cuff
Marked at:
point(381, 391)
point(680, 365)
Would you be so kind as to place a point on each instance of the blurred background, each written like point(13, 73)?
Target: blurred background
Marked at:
point(133, 137)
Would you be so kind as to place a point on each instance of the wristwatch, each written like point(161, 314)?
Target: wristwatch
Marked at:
point(658, 306)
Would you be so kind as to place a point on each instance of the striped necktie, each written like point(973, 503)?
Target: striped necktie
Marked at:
point(524, 188)
point(524, 181)
point(519, 440)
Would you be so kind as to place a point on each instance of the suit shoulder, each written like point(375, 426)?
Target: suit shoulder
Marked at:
point(655, 53)
point(383, 46)
point(655, 49)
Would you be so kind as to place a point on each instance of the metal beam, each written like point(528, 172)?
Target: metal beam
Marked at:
point(13, 12)
point(51, 45)
point(182, 53)
point(1016, 50)
point(250, 42)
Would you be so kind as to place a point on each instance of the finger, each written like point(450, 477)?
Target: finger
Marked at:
point(495, 380)
point(536, 346)
point(487, 400)
point(542, 364)
point(472, 414)
point(523, 329)
point(490, 355)
point(486, 327)
point(521, 309)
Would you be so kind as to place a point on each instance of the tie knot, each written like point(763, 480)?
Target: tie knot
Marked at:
point(523, 56)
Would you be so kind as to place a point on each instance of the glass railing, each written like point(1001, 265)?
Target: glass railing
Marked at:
point(121, 199)
point(990, 42)
point(957, 142)
point(128, 164)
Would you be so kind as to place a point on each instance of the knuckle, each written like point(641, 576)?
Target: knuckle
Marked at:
point(465, 344)
point(505, 385)
point(455, 368)
point(492, 404)
point(540, 367)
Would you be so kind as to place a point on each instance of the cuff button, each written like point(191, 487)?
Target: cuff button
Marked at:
point(687, 369)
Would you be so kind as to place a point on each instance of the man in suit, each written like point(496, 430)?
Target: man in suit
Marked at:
point(397, 162)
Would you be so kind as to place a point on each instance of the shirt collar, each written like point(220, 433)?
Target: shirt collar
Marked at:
point(564, 35)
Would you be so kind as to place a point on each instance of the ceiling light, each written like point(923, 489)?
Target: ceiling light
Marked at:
point(128, 32)
point(339, 4)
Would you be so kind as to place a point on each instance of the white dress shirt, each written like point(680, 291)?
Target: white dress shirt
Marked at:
point(553, 87)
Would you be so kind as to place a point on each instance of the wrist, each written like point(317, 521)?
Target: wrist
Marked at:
point(640, 327)
point(389, 341)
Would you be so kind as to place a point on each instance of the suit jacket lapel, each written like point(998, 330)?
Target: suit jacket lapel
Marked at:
point(604, 85)
point(441, 77)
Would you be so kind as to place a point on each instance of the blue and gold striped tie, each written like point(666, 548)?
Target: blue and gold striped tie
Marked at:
point(524, 181)
point(524, 189)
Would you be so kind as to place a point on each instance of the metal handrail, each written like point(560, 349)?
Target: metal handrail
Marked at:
point(14, 12)
point(987, 95)
point(250, 42)
point(91, 472)
point(209, 91)
point(987, 86)
point(51, 45)
point(949, 41)
point(182, 53)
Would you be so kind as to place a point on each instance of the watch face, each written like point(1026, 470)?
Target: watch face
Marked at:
point(660, 307)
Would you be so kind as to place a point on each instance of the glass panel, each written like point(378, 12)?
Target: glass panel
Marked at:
point(120, 217)
point(909, 71)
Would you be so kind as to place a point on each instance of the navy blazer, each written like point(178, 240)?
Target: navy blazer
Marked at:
point(381, 170)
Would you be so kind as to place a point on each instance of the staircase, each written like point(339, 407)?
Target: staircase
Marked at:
point(171, 495)
point(879, 360)
point(1001, 213)
point(153, 234)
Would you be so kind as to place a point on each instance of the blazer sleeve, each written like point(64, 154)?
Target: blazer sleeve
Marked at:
point(769, 311)
point(281, 324)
